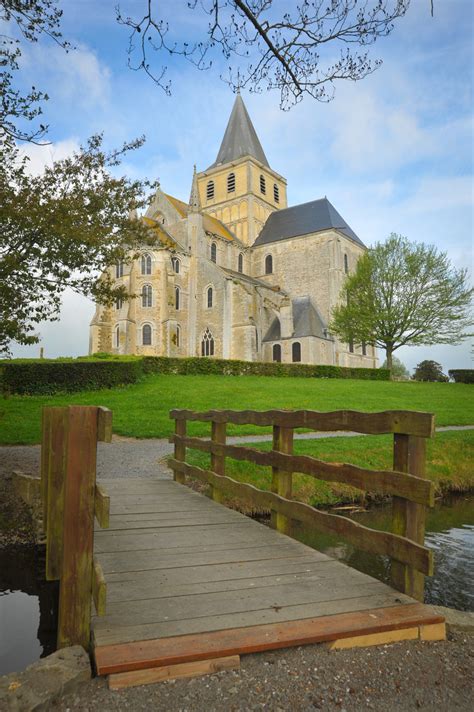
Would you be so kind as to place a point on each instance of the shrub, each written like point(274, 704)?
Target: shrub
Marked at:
point(462, 375)
point(46, 377)
point(196, 366)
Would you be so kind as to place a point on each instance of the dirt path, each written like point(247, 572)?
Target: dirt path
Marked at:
point(404, 676)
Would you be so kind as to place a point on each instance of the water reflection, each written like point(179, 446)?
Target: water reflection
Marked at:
point(449, 532)
point(28, 609)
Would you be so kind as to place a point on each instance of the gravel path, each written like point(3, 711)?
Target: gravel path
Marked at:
point(405, 676)
point(130, 457)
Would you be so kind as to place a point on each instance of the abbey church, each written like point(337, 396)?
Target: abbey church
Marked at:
point(236, 273)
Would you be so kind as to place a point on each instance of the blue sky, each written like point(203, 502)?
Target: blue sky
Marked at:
point(393, 153)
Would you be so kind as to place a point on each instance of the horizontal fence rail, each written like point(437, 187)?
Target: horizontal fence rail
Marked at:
point(411, 492)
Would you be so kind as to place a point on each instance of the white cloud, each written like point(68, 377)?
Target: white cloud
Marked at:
point(41, 156)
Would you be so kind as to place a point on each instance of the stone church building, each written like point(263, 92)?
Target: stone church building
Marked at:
point(236, 273)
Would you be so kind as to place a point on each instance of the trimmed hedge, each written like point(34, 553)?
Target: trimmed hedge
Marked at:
point(202, 366)
point(462, 375)
point(44, 377)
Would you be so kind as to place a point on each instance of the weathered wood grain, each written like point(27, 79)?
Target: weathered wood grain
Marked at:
point(133, 678)
point(116, 658)
point(99, 589)
point(408, 518)
point(76, 573)
point(102, 507)
point(384, 482)
point(58, 423)
point(104, 424)
point(282, 478)
point(218, 435)
point(45, 458)
point(389, 421)
point(179, 448)
point(378, 542)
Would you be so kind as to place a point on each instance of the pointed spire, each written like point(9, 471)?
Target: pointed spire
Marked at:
point(240, 138)
point(194, 202)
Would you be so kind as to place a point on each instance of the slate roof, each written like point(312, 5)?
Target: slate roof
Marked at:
point(302, 220)
point(240, 138)
point(307, 321)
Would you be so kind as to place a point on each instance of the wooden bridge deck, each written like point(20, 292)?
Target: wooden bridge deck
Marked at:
point(188, 579)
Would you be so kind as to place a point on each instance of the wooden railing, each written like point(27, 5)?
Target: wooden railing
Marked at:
point(411, 493)
point(71, 498)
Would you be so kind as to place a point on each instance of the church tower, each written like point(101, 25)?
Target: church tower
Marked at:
point(240, 188)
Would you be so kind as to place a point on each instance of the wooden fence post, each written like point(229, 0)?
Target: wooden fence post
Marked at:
point(218, 435)
point(281, 479)
point(408, 518)
point(78, 539)
point(179, 449)
point(45, 456)
point(56, 475)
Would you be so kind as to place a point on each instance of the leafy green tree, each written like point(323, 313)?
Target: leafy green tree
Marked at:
point(404, 294)
point(429, 371)
point(61, 229)
point(399, 370)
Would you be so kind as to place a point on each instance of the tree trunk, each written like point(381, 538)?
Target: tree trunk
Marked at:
point(388, 353)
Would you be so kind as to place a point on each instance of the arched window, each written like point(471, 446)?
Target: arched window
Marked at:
point(364, 349)
point(178, 336)
point(268, 264)
point(214, 252)
point(351, 346)
point(146, 264)
point(296, 352)
point(240, 263)
point(119, 269)
point(146, 335)
point(207, 344)
point(147, 295)
point(263, 185)
point(210, 296)
point(117, 337)
point(177, 298)
point(210, 190)
point(346, 264)
point(118, 303)
point(176, 264)
point(276, 193)
point(277, 352)
point(231, 183)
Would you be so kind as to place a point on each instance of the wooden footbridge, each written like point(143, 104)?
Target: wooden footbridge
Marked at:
point(183, 585)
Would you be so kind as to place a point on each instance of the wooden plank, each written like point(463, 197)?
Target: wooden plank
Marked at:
point(76, 574)
point(282, 478)
point(408, 518)
point(365, 641)
point(179, 449)
point(134, 678)
point(278, 598)
point(45, 457)
point(171, 651)
point(377, 542)
point(384, 482)
point(218, 435)
point(388, 421)
point(104, 424)
point(435, 631)
point(99, 589)
point(102, 507)
point(58, 421)
point(139, 590)
point(206, 624)
point(179, 558)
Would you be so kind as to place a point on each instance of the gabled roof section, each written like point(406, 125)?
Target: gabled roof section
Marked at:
point(179, 205)
point(162, 234)
point(307, 321)
point(240, 138)
point(304, 219)
point(216, 227)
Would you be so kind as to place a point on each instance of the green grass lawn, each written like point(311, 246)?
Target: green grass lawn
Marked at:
point(142, 410)
point(449, 464)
